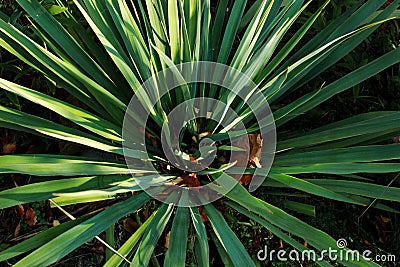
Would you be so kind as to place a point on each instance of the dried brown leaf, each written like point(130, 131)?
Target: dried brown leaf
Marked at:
point(17, 229)
point(366, 242)
point(167, 237)
point(8, 145)
point(256, 143)
point(280, 244)
point(9, 148)
point(241, 157)
point(20, 211)
point(246, 179)
point(204, 134)
point(189, 180)
point(250, 157)
point(385, 219)
point(30, 217)
point(129, 225)
point(203, 215)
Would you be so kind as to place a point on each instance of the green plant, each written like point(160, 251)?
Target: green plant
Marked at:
point(133, 41)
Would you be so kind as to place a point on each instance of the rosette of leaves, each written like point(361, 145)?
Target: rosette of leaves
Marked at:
point(135, 39)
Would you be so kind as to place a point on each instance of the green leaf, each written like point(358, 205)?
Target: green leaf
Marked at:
point(279, 218)
point(49, 165)
point(39, 239)
point(71, 47)
point(299, 207)
point(217, 29)
point(310, 188)
point(174, 31)
point(360, 188)
point(350, 44)
point(231, 29)
point(176, 253)
point(341, 155)
point(374, 125)
point(336, 87)
point(70, 72)
point(231, 244)
point(130, 244)
point(201, 242)
point(341, 168)
point(262, 56)
point(58, 131)
point(289, 46)
point(110, 240)
point(106, 32)
point(46, 190)
point(77, 115)
point(221, 251)
point(55, 10)
point(251, 35)
point(151, 236)
point(133, 39)
point(363, 200)
point(73, 238)
point(285, 237)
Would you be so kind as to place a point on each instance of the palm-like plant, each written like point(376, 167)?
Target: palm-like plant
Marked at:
point(136, 39)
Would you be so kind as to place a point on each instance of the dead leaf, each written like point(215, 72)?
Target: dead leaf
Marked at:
point(246, 179)
point(241, 157)
point(20, 211)
point(129, 225)
point(204, 134)
point(189, 180)
point(167, 237)
point(256, 143)
point(366, 242)
point(203, 214)
point(56, 223)
point(250, 157)
point(9, 148)
point(16, 231)
point(384, 219)
point(98, 249)
point(8, 145)
point(146, 213)
point(30, 217)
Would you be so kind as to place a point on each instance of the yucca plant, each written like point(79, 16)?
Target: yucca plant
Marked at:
point(101, 52)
